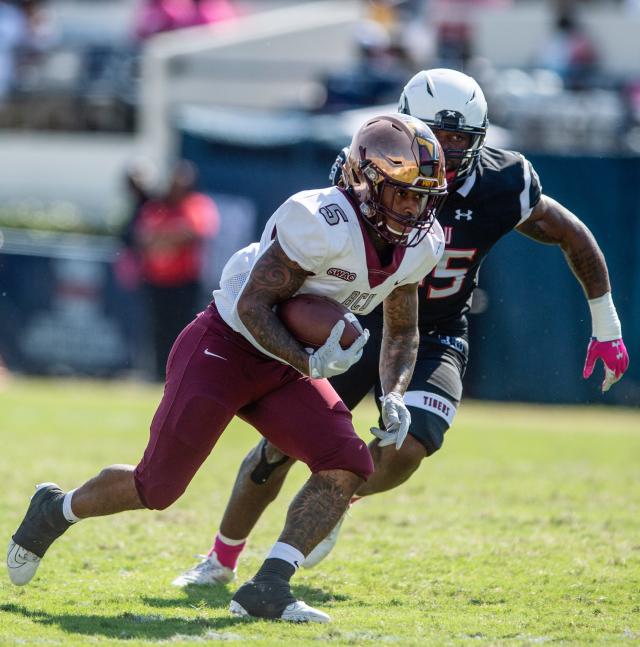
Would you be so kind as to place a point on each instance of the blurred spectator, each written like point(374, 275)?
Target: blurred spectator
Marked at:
point(384, 12)
point(170, 234)
point(13, 34)
point(632, 7)
point(569, 51)
point(25, 33)
point(138, 184)
point(417, 32)
point(156, 16)
point(376, 78)
point(454, 23)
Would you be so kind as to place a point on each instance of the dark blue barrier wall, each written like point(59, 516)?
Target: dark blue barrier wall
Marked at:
point(62, 310)
point(529, 344)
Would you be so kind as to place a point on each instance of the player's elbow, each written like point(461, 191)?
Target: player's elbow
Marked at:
point(247, 307)
point(246, 304)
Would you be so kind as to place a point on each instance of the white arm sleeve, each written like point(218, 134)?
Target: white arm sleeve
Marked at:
point(302, 235)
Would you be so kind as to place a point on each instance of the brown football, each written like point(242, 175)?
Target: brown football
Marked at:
point(310, 319)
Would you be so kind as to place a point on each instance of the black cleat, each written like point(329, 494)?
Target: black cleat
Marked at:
point(41, 526)
point(268, 595)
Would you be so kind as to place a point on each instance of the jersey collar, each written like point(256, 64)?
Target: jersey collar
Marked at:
point(467, 185)
point(377, 273)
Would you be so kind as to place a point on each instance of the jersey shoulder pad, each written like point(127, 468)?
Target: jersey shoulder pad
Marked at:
point(508, 181)
point(506, 170)
point(304, 226)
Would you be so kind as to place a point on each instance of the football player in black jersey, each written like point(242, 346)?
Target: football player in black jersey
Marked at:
point(491, 192)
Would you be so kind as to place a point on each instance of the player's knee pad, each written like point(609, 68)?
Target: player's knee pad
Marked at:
point(352, 456)
point(429, 427)
point(264, 469)
point(158, 497)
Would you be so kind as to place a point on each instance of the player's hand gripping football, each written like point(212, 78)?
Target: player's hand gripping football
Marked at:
point(614, 356)
point(396, 418)
point(330, 359)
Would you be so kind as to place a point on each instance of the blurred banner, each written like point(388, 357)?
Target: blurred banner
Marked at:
point(61, 310)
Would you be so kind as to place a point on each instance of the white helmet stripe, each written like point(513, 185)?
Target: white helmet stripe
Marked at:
point(525, 204)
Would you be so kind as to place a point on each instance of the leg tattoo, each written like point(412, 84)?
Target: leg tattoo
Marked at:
point(317, 508)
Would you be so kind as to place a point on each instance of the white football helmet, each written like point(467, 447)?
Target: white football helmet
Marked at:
point(449, 100)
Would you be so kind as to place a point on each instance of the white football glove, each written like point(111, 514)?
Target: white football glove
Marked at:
point(330, 359)
point(396, 418)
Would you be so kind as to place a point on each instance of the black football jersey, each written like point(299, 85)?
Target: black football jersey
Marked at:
point(495, 198)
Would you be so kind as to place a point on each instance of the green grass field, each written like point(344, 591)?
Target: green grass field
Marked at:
point(524, 530)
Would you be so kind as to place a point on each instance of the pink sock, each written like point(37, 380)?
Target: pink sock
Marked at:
point(227, 550)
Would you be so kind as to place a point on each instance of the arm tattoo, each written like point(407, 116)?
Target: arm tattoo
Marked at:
point(400, 339)
point(534, 231)
point(588, 266)
point(317, 508)
point(273, 279)
point(553, 224)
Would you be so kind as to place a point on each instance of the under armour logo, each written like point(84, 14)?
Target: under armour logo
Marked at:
point(616, 345)
point(463, 214)
point(450, 113)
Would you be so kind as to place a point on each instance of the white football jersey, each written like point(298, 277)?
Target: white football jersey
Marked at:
point(321, 231)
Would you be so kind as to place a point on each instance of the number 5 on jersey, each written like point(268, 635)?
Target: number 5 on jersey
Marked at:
point(443, 270)
point(333, 214)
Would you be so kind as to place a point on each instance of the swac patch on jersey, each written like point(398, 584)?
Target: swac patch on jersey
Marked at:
point(342, 274)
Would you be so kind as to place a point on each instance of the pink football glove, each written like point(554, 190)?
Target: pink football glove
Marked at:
point(614, 357)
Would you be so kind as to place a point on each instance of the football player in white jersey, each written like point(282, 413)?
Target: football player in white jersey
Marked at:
point(237, 358)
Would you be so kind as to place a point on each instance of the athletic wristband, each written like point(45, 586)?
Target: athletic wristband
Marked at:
point(605, 325)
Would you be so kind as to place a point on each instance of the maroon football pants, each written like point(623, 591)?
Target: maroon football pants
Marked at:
point(213, 373)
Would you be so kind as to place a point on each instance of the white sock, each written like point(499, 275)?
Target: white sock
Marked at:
point(287, 553)
point(66, 508)
point(230, 542)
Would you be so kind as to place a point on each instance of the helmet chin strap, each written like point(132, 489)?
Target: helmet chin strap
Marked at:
point(374, 227)
point(401, 234)
point(368, 213)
